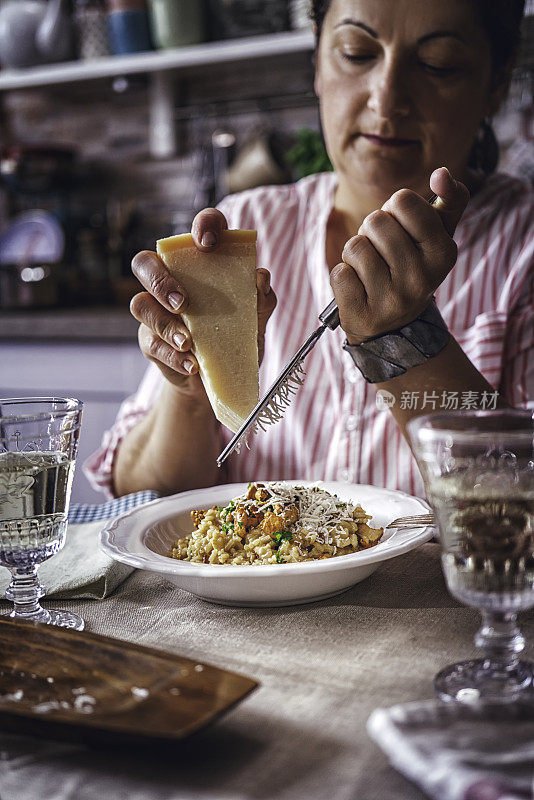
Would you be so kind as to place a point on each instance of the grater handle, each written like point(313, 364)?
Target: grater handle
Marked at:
point(329, 316)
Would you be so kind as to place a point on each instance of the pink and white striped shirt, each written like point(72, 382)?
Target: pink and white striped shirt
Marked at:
point(334, 429)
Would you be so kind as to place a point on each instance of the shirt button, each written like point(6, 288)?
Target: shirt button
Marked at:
point(351, 375)
point(352, 423)
point(345, 475)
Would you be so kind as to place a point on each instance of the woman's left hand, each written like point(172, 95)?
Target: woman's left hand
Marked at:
point(401, 254)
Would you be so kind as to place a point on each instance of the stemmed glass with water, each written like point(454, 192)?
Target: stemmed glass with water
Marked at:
point(38, 447)
point(478, 469)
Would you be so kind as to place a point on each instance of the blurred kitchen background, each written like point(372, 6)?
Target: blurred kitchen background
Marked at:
point(119, 120)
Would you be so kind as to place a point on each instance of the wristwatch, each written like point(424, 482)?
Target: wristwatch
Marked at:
point(393, 353)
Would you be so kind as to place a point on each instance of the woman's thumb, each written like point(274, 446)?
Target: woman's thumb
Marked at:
point(452, 198)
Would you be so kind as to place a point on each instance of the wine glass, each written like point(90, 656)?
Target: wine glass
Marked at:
point(38, 446)
point(478, 469)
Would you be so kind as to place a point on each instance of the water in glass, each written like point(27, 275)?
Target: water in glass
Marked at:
point(33, 522)
point(487, 524)
point(478, 469)
point(38, 446)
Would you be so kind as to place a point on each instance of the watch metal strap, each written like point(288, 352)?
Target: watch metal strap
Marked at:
point(392, 354)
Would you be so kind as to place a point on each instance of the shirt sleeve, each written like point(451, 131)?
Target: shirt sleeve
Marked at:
point(517, 383)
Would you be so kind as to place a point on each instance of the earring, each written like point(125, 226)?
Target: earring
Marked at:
point(486, 148)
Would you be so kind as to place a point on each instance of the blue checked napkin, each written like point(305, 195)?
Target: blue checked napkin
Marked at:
point(82, 569)
point(458, 752)
point(80, 513)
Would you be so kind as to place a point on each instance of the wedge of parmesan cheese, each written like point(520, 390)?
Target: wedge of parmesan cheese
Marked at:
point(222, 317)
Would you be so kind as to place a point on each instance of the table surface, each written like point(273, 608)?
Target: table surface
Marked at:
point(323, 667)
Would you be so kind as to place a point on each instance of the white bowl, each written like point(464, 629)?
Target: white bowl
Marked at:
point(143, 537)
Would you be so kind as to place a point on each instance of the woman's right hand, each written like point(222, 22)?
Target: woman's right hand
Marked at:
point(163, 336)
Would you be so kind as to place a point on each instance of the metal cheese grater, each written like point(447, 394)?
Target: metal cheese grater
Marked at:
point(271, 408)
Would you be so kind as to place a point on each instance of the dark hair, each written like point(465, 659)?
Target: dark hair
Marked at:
point(501, 22)
point(500, 19)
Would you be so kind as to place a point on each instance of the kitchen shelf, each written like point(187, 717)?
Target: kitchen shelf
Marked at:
point(157, 61)
point(160, 66)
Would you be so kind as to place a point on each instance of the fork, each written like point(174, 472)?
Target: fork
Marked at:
point(416, 521)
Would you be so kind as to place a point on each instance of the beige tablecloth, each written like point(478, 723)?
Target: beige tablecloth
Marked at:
point(323, 668)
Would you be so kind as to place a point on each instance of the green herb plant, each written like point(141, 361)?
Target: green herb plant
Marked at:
point(308, 155)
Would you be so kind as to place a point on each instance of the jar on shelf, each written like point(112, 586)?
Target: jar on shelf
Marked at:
point(128, 26)
point(90, 24)
point(175, 23)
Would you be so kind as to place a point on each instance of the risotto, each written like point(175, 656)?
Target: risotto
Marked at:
point(276, 523)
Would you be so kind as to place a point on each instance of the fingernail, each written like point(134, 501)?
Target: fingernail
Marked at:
point(175, 300)
point(209, 239)
point(188, 365)
point(178, 339)
point(454, 181)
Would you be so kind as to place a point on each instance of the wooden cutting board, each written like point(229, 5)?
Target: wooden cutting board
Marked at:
point(63, 684)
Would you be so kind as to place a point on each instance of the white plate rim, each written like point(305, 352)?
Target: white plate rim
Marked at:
point(400, 542)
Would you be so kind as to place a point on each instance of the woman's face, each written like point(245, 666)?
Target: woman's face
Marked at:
point(403, 86)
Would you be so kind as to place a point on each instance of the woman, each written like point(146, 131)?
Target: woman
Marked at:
point(405, 87)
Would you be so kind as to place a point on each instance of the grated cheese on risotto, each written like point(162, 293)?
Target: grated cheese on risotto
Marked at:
point(276, 523)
